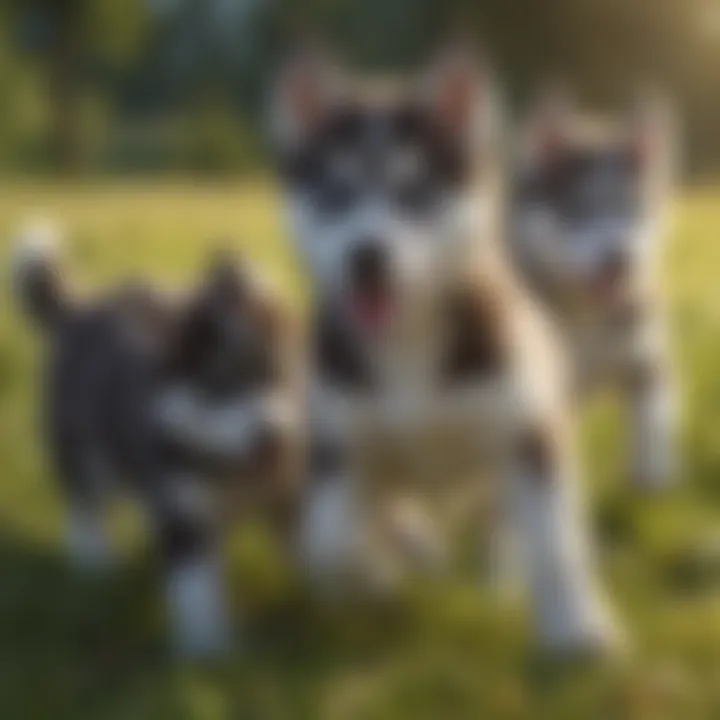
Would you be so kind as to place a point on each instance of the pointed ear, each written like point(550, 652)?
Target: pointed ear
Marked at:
point(146, 317)
point(546, 129)
point(307, 85)
point(653, 134)
point(225, 275)
point(458, 90)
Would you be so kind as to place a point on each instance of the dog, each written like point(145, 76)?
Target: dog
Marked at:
point(394, 198)
point(186, 400)
point(589, 211)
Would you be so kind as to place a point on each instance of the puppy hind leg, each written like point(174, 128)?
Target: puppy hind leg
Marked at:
point(84, 480)
point(504, 567)
point(329, 531)
point(652, 405)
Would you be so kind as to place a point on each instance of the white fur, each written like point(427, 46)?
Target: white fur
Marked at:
point(87, 540)
point(330, 536)
point(569, 260)
point(410, 405)
point(569, 609)
point(36, 245)
point(196, 602)
point(424, 254)
point(191, 496)
point(505, 569)
point(427, 257)
point(654, 420)
point(227, 428)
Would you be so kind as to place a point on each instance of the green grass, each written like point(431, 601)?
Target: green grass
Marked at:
point(79, 648)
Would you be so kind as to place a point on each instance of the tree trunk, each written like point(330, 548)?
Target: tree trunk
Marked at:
point(65, 75)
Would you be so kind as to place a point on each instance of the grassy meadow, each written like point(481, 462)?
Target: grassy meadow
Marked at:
point(77, 647)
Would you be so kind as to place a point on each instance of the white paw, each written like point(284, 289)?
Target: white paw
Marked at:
point(198, 613)
point(656, 471)
point(654, 453)
point(504, 571)
point(330, 540)
point(590, 630)
point(87, 543)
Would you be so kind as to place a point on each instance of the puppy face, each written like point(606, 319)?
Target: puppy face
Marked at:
point(588, 203)
point(379, 186)
point(226, 344)
point(226, 387)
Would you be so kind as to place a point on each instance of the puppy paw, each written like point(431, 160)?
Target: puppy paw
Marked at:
point(592, 634)
point(657, 473)
point(87, 544)
point(200, 625)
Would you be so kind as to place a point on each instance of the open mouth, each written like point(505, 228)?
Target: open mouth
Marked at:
point(372, 309)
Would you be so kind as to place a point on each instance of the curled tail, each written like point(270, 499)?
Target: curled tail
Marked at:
point(36, 281)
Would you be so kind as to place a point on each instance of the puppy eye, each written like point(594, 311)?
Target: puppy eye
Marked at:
point(405, 166)
point(335, 198)
point(415, 197)
point(341, 180)
point(344, 168)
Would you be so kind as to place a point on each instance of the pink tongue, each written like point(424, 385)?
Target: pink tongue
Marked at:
point(372, 310)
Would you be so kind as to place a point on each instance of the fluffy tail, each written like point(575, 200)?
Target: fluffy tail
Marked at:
point(36, 281)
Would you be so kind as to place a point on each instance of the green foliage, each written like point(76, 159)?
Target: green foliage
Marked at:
point(149, 67)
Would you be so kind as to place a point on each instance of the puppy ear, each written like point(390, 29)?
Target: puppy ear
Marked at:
point(225, 276)
point(653, 134)
point(547, 127)
point(146, 317)
point(457, 88)
point(192, 333)
point(307, 86)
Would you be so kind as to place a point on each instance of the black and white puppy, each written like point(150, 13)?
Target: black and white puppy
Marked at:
point(394, 201)
point(591, 200)
point(185, 400)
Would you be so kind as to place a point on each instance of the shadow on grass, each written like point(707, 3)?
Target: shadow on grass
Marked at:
point(76, 646)
point(73, 646)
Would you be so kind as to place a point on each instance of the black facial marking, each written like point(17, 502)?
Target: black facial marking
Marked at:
point(338, 357)
point(538, 452)
point(399, 152)
point(183, 538)
point(327, 457)
point(582, 184)
point(447, 157)
point(477, 340)
point(221, 349)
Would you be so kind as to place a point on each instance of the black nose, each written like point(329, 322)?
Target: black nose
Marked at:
point(270, 441)
point(615, 264)
point(368, 265)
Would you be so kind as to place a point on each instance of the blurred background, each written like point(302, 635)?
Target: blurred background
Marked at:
point(118, 86)
point(138, 126)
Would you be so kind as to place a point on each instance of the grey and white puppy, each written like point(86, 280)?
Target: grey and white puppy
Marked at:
point(185, 401)
point(422, 328)
point(590, 208)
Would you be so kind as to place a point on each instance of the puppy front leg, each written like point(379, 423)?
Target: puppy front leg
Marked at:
point(84, 480)
point(194, 581)
point(569, 611)
point(330, 528)
point(652, 408)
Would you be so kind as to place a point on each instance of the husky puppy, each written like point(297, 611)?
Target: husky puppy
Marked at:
point(185, 400)
point(589, 212)
point(393, 196)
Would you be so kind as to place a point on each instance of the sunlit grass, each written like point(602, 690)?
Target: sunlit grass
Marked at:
point(73, 648)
